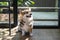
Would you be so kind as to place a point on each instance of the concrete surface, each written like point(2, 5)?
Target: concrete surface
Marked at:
point(41, 34)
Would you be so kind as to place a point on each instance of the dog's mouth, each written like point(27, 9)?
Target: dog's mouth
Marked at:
point(28, 16)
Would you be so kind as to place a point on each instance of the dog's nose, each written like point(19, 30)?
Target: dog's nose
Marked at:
point(30, 14)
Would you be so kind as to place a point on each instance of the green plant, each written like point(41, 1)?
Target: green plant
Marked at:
point(4, 3)
point(25, 3)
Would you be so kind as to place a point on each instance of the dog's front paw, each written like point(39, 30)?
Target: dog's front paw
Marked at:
point(23, 33)
point(31, 34)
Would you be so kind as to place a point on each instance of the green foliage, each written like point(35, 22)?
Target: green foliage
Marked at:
point(21, 3)
point(33, 2)
point(4, 3)
point(25, 3)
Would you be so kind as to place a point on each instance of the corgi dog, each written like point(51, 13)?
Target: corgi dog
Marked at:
point(26, 22)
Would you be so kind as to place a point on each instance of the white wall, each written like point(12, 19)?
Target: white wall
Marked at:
point(45, 15)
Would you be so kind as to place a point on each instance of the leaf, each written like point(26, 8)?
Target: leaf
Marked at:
point(32, 2)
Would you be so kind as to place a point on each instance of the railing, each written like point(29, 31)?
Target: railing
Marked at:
point(41, 7)
point(33, 8)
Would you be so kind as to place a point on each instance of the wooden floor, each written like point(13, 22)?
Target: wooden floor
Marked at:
point(40, 34)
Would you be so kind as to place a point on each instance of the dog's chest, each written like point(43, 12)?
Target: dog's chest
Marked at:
point(26, 21)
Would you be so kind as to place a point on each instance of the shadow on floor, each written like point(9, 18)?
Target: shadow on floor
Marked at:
point(18, 36)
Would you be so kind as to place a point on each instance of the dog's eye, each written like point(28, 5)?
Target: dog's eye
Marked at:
point(26, 12)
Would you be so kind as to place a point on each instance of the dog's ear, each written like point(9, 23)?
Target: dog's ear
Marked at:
point(19, 11)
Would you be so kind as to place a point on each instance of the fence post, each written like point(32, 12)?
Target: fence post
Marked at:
point(15, 11)
point(59, 12)
point(9, 20)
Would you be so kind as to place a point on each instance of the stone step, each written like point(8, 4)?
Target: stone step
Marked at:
point(5, 33)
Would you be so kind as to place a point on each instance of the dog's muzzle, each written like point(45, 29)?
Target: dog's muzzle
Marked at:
point(29, 15)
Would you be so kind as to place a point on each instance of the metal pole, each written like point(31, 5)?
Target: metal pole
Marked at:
point(9, 20)
point(38, 7)
point(15, 11)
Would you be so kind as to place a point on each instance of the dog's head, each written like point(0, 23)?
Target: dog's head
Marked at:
point(26, 13)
